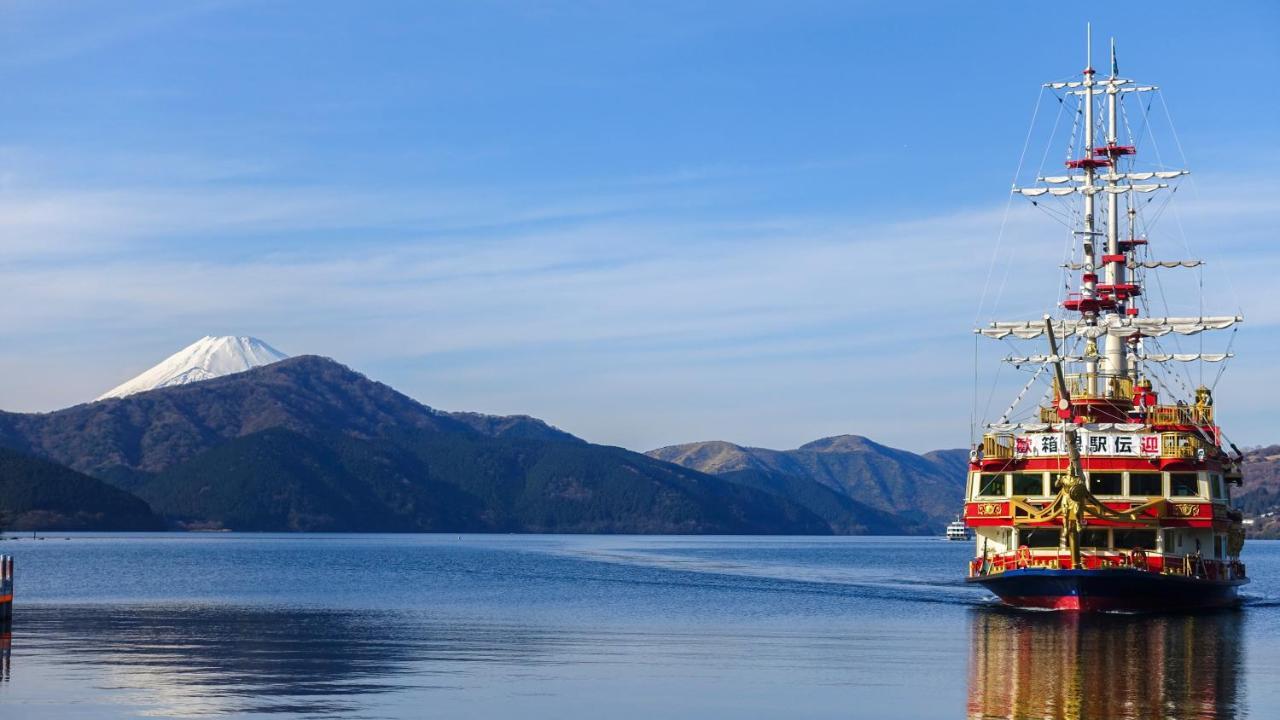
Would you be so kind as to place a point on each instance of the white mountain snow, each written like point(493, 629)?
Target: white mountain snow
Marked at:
point(208, 357)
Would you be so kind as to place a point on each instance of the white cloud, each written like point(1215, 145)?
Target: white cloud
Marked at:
point(611, 323)
point(45, 32)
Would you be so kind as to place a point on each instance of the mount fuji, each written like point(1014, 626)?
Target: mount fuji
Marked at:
point(209, 357)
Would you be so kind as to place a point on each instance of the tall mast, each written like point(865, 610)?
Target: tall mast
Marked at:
point(1089, 279)
point(1115, 365)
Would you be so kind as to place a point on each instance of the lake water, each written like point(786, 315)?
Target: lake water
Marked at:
point(395, 626)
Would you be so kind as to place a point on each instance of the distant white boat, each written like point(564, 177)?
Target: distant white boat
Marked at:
point(957, 530)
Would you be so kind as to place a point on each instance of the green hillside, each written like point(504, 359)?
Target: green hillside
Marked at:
point(36, 494)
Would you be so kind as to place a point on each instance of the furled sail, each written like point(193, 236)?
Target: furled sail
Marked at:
point(1150, 357)
point(1161, 174)
point(1134, 89)
point(1148, 264)
point(1113, 325)
point(1153, 264)
point(1038, 191)
point(1187, 357)
point(1041, 359)
point(1090, 190)
point(1121, 85)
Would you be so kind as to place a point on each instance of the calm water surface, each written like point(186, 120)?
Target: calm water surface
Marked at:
point(379, 626)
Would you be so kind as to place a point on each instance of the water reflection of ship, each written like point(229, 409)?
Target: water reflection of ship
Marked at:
point(1068, 667)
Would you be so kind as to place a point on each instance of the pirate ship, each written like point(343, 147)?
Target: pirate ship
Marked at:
point(1114, 493)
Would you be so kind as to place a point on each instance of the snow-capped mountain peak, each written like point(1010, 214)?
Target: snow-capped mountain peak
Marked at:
point(209, 357)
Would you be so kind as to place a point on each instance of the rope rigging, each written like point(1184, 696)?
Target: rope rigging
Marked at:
point(1136, 129)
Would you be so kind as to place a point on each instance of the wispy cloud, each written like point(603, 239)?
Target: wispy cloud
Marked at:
point(627, 330)
point(68, 30)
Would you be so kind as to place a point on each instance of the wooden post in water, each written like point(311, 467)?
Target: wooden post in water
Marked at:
point(6, 589)
point(6, 614)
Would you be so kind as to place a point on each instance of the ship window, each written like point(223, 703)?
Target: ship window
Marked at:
point(1184, 485)
point(1028, 484)
point(991, 485)
point(1101, 483)
point(1094, 539)
point(1040, 537)
point(1129, 539)
point(1215, 486)
point(1145, 484)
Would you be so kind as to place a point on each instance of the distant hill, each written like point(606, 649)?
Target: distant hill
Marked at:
point(954, 463)
point(1259, 498)
point(36, 494)
point(512, 426)
point(308, 444)
point(912, 493)
point(842, 514)
point(281, 480)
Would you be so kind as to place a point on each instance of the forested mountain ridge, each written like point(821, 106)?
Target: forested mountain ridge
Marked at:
point(308, 444)
point(921, 492)
point(37, 494)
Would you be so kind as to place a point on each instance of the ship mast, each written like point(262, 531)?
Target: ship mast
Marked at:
point(1115, 267)
point(1113, 296)
point(1089, 279)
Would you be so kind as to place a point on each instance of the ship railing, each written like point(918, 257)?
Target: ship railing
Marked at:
point(997, 446)
point(1022, 509)
point(1097, 386)
point(1159, 415)
point(1192, 566)
point(1180, 415)
point(1179, 445)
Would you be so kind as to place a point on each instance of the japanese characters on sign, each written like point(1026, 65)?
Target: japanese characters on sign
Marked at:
point(1124, 445)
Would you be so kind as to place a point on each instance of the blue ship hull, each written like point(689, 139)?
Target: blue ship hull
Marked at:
point(1110, 589)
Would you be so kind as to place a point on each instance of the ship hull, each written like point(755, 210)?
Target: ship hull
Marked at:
point(1111, 589)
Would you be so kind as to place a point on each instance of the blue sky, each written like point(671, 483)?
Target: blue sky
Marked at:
point(646, 222)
